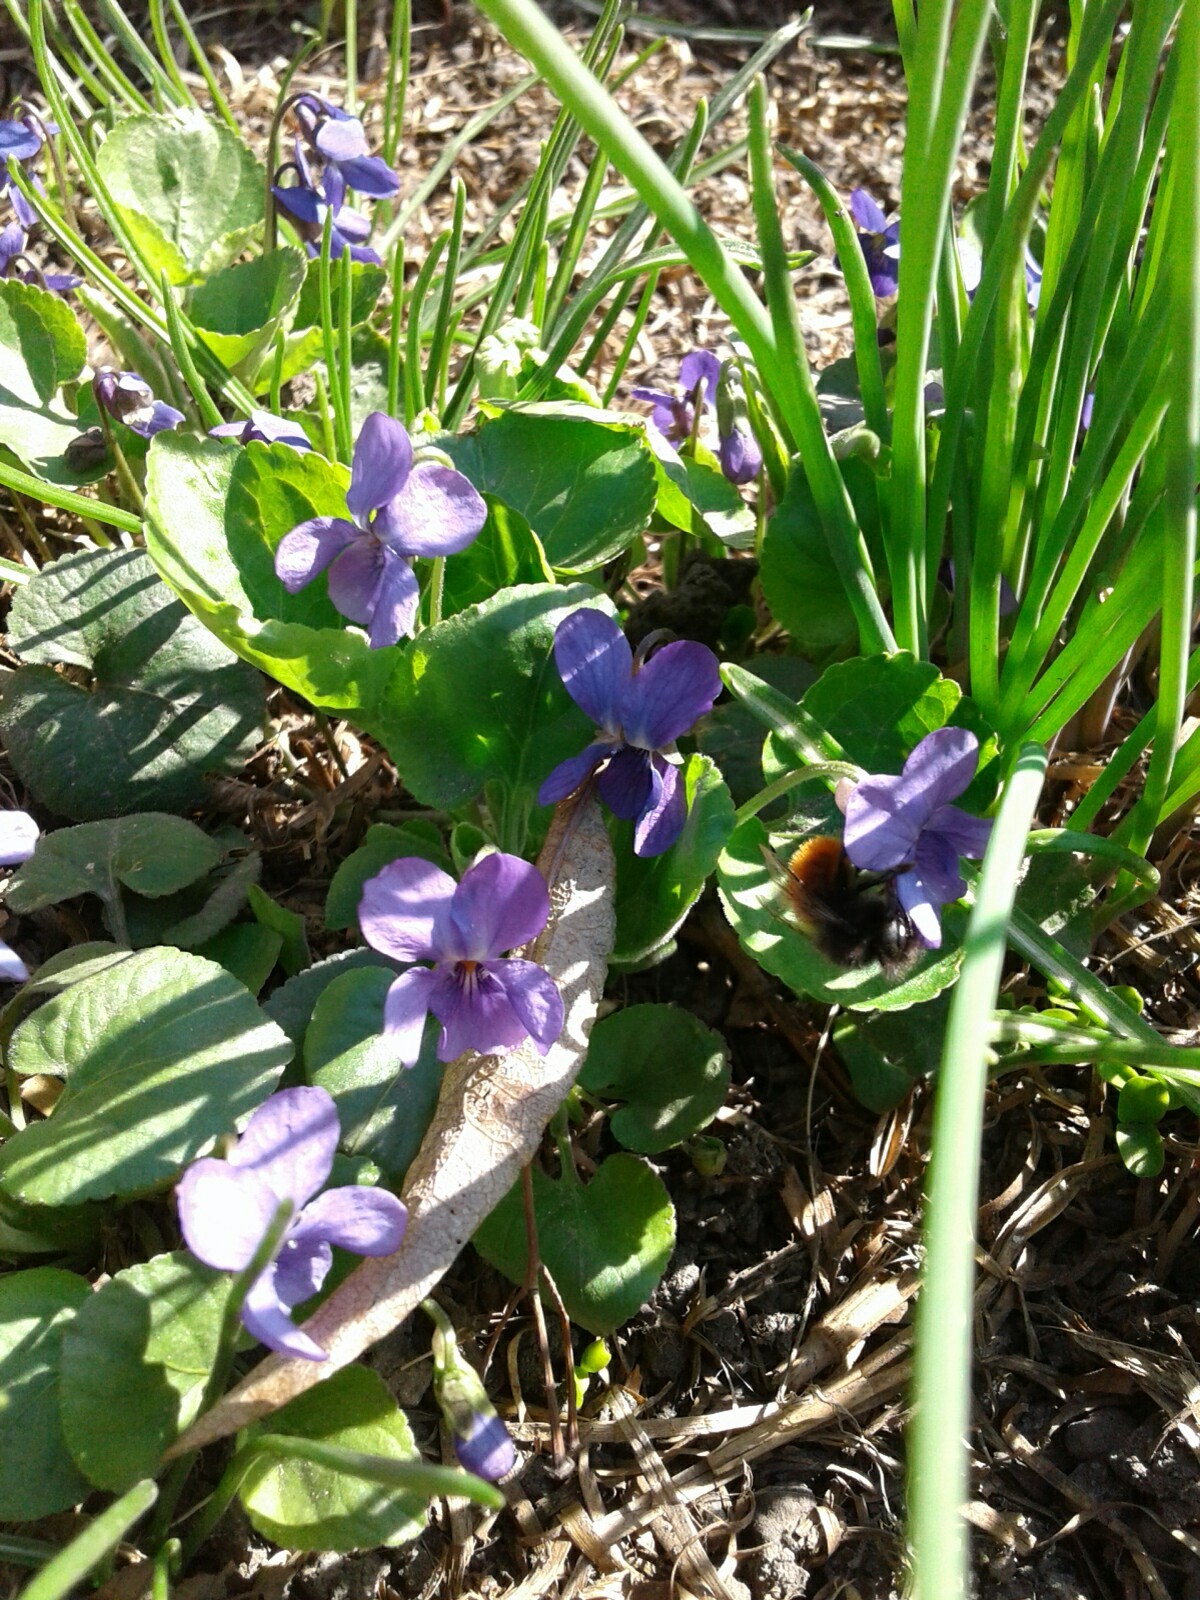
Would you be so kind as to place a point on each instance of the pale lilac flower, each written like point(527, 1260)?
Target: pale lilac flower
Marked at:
point(307, 203)
point(640, 707)
point(905, 826)
point(412, 911)
point(880, 241)
point(264, 426)
point(18, 838)
point(130, 399)
point(674, 415)
point(341, 141)
point(226, 1208)
point(399, 511)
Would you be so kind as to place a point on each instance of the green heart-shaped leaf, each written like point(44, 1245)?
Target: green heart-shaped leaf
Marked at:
point(668, 1069)
point(302, 1506)
point(166, 703)
point(42, 346)
point(487, 681)
point(383, 1106)
point(150, 1336)
point(236, 311)
point(607, 1244)
point(37, 1474)
point(188, 189)
point(583, 481)
point(153, 854)
point(505, 553)
point(161, 1053)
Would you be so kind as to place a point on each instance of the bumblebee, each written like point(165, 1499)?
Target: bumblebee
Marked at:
point(852, 917)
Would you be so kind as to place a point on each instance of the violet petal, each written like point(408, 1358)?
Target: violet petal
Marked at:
point(368, 1221)
point(18, 140)
point(670, 694)
point(663, 817)
point(405, 1010)
point(502, 902)
point(340, 139)
point(476, 1014)
point(290, 1143)
point(354, 578)
point(534, 996)
point(265, 1317)
point(915, 898)
point(700, 366)
point(879, 834)
point(967, 835)
point(301, 1267)
point(626, 785)
point(12, 968)
point(866, 213)
point(370, 175)
point(18, 837)
point(309, 548)
point(404, 911)
point(439, 513)
point(394, 613)
point(488, 1450)
point(224, 1213)
point(569, 774)
point(595, 664)
point(382, 462)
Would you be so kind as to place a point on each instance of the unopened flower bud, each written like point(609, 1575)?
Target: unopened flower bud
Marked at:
point(481, 1441)
point(739, 452)
point(130, 399)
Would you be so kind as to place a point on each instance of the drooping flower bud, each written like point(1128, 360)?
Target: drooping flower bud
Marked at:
point(739, 452)
point(130, 399)
point(481, 1441)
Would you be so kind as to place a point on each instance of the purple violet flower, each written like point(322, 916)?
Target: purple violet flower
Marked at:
point(18, 838)
point(640, 707)
point(341, 141)
point(130, 399)
point(905, 825)
point(264, 426)
point(12, 249)
point(413, 911)
point(306, 204)
point(226, 1207)
point(880, 241)
point(674, 415)
point(21, 139)
point(399, 511)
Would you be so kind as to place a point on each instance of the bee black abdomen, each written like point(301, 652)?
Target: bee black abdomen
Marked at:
point(851, 919)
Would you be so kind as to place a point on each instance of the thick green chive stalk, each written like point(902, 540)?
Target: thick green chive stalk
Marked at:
point(937, 1442)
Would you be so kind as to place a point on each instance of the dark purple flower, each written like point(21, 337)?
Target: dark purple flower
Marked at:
point(21, 140)
point(130, 399)
point(18, 838)
point(264, 426)
point(880, 241)
point(12, 250)
point(399, 511)
point(906, 826)
point(307, 203)
point(412, 911)
point(674, 415)
point(738, 452)
point(341, 141)
point(640, 707)
point(226, 1207)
